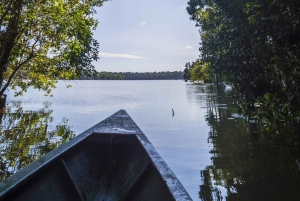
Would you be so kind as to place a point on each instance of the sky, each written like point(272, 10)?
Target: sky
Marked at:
point(145, 36)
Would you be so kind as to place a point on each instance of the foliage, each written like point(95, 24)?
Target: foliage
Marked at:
point(135, 75)
point(198, 71)
point(186, 74)
point(109, 76)
point(255, 45)
point(201, 72)
point(163, 75)
point(187, 71)
point(44, 40)
point(103, 76)
point(26, 136)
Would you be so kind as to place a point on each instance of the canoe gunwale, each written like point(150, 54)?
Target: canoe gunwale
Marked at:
point(118, 124)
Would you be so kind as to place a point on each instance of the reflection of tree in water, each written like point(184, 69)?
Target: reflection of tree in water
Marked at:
point(249, 163)
point(26, 136)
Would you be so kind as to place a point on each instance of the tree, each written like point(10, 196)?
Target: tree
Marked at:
point(44, 40)
point(242, 43)
point(186, 74)
point(201, 71)
point(186, 71)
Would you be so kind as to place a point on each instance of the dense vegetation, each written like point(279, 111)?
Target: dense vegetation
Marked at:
point(255, 45)
point(198, 71)
point(46, 40)
point(136, 76)
point(103, 76)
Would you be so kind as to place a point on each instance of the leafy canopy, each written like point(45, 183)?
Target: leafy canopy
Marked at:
point(42, 41)
point(201, 71)
point(255, 45)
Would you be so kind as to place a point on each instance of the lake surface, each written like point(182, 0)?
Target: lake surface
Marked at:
point(215, 153)
point(180, 139)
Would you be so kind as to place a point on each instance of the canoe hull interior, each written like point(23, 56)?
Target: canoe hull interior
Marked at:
point(110, 161)
point(102, 167)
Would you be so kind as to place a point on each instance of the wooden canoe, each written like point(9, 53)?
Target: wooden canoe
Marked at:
point(112, 160)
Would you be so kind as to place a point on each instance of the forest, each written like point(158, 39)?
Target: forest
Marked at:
point(163, 75)
point(255, 46)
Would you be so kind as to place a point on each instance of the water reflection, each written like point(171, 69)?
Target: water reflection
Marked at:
point(249, 162)
point(27, 135)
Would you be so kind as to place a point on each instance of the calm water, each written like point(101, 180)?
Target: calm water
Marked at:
point(215, 153)
point(181, 140)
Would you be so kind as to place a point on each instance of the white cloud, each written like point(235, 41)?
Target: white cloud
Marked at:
point(188, 47)
point(143, 23)
point(170, 38)
point(124, 56)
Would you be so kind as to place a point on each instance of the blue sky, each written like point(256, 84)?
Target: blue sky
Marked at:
point(145, 36)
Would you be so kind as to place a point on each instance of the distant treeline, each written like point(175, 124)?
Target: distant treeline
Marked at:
point(164, 75)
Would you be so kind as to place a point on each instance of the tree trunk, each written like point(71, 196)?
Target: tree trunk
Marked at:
point(8, 39)
point(2, 105)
